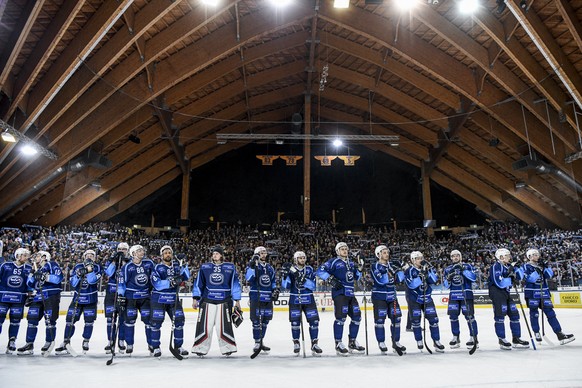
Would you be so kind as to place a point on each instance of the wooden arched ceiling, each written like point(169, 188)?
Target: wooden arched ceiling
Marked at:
point(468, 96)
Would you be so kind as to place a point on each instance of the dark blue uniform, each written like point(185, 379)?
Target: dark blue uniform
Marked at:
point(419, 297)
point(262, 282)
point(385, 300)
point(536, 289)
point(301, 284)
point(459, 278)
point(500, 285)
point(112, 273)
point(13, 291)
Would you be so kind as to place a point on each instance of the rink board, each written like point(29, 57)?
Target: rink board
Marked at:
point(561, 299)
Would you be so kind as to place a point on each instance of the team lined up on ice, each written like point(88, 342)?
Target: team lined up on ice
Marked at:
point(137, 285)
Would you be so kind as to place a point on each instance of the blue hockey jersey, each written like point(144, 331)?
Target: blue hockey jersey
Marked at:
point(300, 285)
point(384, 283)
point(162, 292)
point(52, 285)
point(499, 275)
point(13, 288)
point(262, 281)
point(217, 283)
point(86, 287)
point(461, 281)
point(134, 280)
point(536, 281)
point(345, 271)
point(419, 289)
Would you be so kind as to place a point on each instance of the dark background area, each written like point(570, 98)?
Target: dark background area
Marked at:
point(237, 188)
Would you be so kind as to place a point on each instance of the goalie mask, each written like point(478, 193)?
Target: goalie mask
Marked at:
point(237, 316)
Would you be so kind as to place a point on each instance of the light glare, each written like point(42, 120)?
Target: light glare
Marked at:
point(405, 5)
point(341, 3)
point(28, 150)
point(468, 6)
point(337, 142)
point(281, 3)
point(212, 3)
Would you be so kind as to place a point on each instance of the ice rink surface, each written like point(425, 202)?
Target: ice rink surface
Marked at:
point(548, 366)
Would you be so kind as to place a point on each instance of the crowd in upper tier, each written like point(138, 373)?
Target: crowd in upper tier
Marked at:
point(67, 244)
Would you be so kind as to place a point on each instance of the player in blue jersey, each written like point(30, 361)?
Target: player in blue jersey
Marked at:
point(166, 279)
point(46, 282)
point(84, 280)
point(459, 278)
point(537, 294)
point(418, 278)
point(341, 273)
point(502, 276)
point(385, 300)
point(133, 295)
point(264, 291)
point(299, 279)
point(112, 269)
point(13, 293)
point(216, 289)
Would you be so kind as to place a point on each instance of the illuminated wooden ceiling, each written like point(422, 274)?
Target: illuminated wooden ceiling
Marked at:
point(468, 96)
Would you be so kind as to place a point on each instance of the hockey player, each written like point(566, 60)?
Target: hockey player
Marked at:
point(216, 289)
point(300, 280)
point(418, 278)
point(385, 300)
point(264, 291)
point(537, 293)
point(46, 282)
point(112, 270)
point(501, 277)
point(166, 278)
point(84, 279)
point(13, 293)
point(341, 273)
point(133, 295)
point(459, 278)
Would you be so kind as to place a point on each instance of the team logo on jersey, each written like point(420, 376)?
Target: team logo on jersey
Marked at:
point(216, 279)
point(349, 276)
point(265, 280)
point(141, 279)
point(85, 284)
point(15, 281)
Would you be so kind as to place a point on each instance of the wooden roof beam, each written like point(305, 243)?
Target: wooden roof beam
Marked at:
point(571, 21)
point(170, 132)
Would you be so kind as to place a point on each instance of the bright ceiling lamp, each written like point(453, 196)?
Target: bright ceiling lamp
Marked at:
point(28, 150)
point(281, 3)
point(468, 6)
point(8, 137)
point(212, 3)
point(341, 3)
point(405, 5)
point(338, 143)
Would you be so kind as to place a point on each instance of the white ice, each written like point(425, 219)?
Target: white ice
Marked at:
point(549, 366)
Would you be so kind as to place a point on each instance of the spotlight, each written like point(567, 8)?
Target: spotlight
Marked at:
point(337, 142)
point(519, 185)
point(341, 3)
point(279, 142)
point(212, 3)
point(8, 137)
point(134, 139)
point(28, 150)
point(468, 6)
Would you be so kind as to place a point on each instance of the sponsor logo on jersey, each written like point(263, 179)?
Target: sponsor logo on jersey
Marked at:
point(216, 279)
point(265, 280)
point(141, 279)
point(15, 281)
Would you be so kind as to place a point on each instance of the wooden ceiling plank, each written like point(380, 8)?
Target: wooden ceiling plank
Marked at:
point(568, 14)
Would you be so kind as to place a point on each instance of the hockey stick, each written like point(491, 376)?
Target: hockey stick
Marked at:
point(173, 350)
point(542, 305)
point(473, 335)
point(425, 320)
point(302, 333)
point(68, 346)
point(396, 348)
point(115, 318)
point(258, 351)
point(46, 317)
point(365, 312)
point(525, 318)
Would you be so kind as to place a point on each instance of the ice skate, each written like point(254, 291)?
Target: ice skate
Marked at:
point(518, 343)
point(455, 342)
point(439, 347)
point(355, 347)
point(296, 347)
point(504, 344)
point(26, 350)
point(315, 349)
point(565, 338)
point(340, 349)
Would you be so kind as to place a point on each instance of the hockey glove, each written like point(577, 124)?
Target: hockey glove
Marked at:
point(237, 316)
point(28, 301)
point(174, 281)
point(334, 282)
point(253, 262)
point(121, 302)
point(275, 295)
point(81, 272)
point(40, 276)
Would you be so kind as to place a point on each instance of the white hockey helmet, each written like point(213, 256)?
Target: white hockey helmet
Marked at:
point(135, 248)
point(415, 255)
point(21, 251)
point(258, 250)
point(379, 249)
point(90, 251)
point(501, 252)
point(531, 252)
point(162, 249)
point(456, 252)
point(122, 245)
point(340, 245)
point(299, 254)
point(44, 255)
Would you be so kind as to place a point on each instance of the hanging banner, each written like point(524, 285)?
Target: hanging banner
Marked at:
point(291, 160)
point(325, 160)
point(267, 160)
point(349, 160)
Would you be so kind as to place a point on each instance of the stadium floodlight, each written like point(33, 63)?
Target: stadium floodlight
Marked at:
point(8, 137)
point(28, 150)
point(341, 3)
point(212, 3)
point(405, 5)
point(338, 142)
point(281, 3)
point(18, 136)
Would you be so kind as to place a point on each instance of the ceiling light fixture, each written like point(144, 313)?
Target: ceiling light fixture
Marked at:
point(9, 130)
